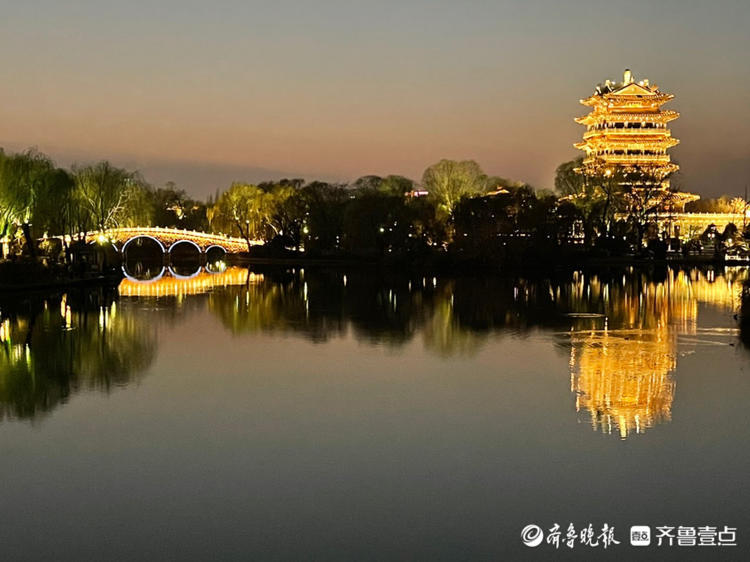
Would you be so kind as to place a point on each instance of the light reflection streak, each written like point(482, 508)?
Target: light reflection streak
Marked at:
point(623, 378)
point(202, 282)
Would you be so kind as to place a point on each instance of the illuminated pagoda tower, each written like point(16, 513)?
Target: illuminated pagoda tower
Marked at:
point(627, 129)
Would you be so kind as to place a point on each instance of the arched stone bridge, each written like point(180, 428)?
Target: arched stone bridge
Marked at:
point(169, 238)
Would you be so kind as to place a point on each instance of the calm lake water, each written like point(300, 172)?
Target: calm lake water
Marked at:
point(354, 415)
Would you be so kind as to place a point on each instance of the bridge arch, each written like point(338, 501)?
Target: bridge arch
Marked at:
point(184, 241)
point(215, 252)
point(220, 247)
point(136, 237)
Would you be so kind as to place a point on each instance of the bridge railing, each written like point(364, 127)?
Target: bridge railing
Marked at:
point(169, 232)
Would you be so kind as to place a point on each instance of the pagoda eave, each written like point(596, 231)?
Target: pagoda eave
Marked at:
point(631, 140)
point(653, 99)
point(644, 117)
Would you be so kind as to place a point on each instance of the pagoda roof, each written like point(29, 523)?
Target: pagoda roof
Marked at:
point(619, 97)
point(633, 89)
point(628, 87)
point(625, 91)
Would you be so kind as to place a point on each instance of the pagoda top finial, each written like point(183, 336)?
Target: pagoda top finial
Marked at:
point(627, 77)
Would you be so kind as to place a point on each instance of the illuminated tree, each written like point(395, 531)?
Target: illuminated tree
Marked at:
point(643, 197)
point(239, 211)
point(252, 212)
point(738, 205)
point(448, 181)
point(55, 209)
point(138, 209)
point(24, 182)
point(104, 192)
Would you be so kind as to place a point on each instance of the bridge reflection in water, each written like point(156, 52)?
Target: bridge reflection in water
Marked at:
point(622, 333)
point(169, 284)
point(625, 330)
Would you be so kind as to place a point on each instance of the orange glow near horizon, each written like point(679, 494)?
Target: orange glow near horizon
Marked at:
point(257, 91)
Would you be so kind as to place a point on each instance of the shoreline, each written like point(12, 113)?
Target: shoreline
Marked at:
point(446, 265)
point(60, 284)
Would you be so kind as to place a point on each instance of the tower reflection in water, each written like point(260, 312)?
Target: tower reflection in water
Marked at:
point(622, 361)
point(625, 328)
point(622, 331)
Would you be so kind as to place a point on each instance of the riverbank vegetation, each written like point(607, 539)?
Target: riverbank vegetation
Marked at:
point(455, 210)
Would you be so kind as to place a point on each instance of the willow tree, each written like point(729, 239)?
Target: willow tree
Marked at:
point(23, 178)
point(448, 181)
point(56, 207)
point(139, 207)
point(245, 210)
point(104, 191)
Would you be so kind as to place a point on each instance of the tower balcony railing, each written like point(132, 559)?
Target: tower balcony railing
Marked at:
point(633, 158)
point(644, 132)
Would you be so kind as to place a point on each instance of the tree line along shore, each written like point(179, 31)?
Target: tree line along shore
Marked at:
point(456, 214)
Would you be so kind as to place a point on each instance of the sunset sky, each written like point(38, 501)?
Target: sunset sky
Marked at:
point(204, 93)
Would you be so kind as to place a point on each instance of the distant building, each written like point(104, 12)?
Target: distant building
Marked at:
point(627, 132)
